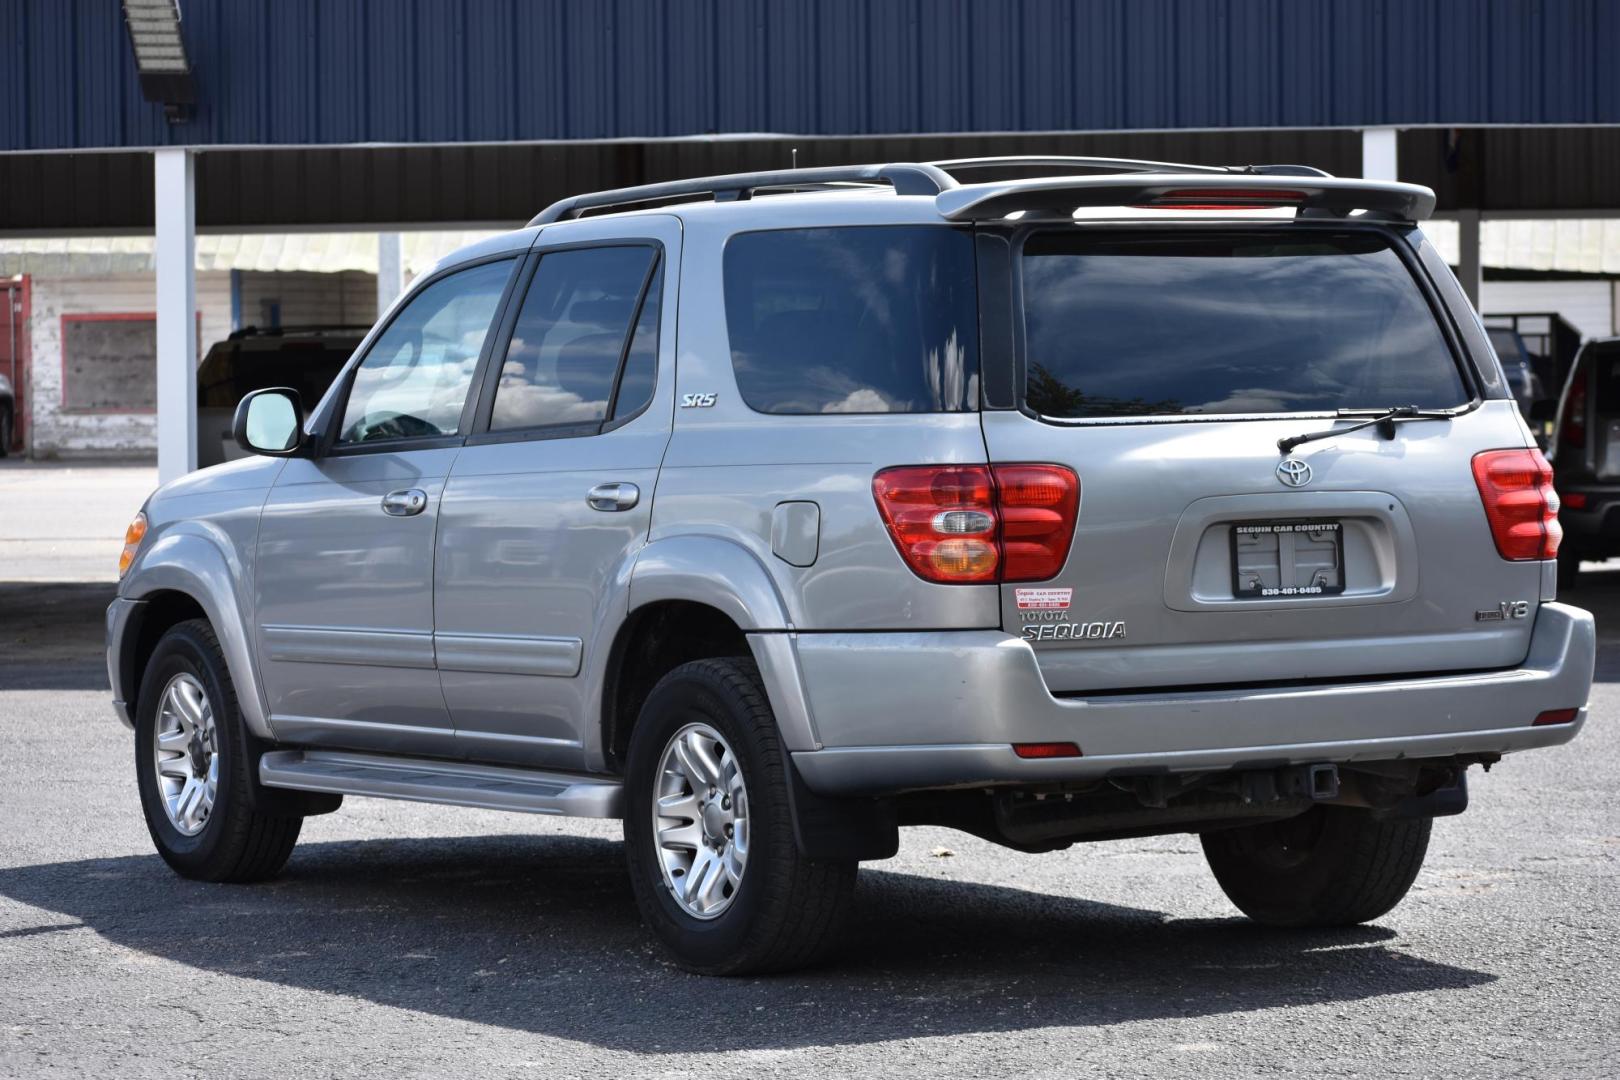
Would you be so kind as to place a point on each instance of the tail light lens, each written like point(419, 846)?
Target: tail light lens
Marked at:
point(1038, 504)
point(1572, 426)
point(971, 524)
point(1520, 504)
point(132, 543)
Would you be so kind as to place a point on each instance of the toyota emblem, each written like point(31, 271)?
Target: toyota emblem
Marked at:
point(1293, 472)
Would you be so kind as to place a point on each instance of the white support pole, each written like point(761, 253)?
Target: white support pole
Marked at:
point(390, 270)
point(1468, 254)
point(174, 249)
point(1378, 154)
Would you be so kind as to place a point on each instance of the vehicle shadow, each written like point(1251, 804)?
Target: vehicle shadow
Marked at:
point(52, 635)
point(539, 934)
point(1598, 591)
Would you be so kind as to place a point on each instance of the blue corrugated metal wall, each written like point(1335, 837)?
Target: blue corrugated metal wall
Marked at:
point(348, 71)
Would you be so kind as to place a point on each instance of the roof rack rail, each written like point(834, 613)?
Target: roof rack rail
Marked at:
point(1102, 164)
point(308, 329)
point(906, 179)
point(1116, 165)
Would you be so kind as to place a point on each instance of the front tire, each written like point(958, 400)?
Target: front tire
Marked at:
point(1330, 866)
point(708, 830)
point(194, 766)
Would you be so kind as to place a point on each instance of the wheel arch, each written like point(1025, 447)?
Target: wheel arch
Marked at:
point(694, 597)
point(189, 572)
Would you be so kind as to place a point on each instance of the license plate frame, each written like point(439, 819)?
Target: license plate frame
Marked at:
point(1268, 559)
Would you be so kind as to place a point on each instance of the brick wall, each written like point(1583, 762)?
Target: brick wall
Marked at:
point(305, 299)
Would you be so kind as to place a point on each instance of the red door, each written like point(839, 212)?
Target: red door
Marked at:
point(14, 354)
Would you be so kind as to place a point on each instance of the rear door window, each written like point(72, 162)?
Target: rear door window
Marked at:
point(1120, 325)
point(572, 335)
point(854, 320)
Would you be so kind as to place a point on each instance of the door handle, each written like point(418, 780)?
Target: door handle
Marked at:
point(613, 496)
point(405, 503)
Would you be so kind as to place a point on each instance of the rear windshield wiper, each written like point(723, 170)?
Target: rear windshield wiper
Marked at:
point(1384, 422)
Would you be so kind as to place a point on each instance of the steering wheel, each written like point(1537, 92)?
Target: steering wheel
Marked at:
point(397, 425)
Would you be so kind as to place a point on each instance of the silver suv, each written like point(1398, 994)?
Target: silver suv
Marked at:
point(772, 512)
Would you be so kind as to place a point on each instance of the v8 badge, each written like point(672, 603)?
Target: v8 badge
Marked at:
point(1507, 609)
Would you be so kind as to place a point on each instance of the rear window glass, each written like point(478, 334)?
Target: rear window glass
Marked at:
point(1607, 365)
point(1143, 325)
point(854, 320)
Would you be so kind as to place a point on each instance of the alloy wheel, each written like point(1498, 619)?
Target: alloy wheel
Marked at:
point(700, 821)
point(186, 754)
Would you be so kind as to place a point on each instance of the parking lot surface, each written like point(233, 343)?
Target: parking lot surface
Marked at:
point(409, 940)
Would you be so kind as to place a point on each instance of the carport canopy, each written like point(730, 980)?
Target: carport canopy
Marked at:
point(467, 115)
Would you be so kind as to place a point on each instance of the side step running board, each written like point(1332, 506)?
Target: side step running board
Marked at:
point(490, 787)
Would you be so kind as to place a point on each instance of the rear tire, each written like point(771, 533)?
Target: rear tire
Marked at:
point(7, 429)
point(1569, 567)
point(784, 911)
point(1330, 866)
point(198, 790)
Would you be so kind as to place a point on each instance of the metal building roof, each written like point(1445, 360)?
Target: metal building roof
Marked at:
point(87, 256)
point(330, 72)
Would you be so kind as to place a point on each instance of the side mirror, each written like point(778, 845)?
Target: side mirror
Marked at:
point(270, 422)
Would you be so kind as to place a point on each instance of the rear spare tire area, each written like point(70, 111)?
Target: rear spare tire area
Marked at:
point(194, 766)
point(1330, 866)
point(708, 829)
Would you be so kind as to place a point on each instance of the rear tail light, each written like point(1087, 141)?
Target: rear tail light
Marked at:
point(1555, 716)
point(1572, 426)
point(971, 524)
point(1520, 504)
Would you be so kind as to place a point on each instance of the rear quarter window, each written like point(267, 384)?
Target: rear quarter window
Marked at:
point(1120, 325)
point(868, 319)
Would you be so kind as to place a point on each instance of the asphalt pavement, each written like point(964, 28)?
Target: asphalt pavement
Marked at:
point(409, 940)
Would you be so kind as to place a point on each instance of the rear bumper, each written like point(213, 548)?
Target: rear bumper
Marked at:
point(897, 712)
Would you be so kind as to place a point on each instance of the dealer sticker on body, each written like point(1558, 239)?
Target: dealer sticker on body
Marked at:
point(1043, 599)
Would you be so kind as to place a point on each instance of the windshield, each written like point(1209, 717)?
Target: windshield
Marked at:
point(1220, 323)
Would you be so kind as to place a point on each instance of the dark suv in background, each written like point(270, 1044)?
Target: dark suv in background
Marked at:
point(1517, 366)
point(304, 358)
point(1585, 454)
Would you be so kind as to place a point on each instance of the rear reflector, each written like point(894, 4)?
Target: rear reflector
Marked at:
point(1520, 504)
point(1575, 500)
point(1556, 716)
point(1050, 749)
point(973, 524)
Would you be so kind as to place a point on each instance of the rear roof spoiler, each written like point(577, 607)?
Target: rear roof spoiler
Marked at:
point(1061, 195)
